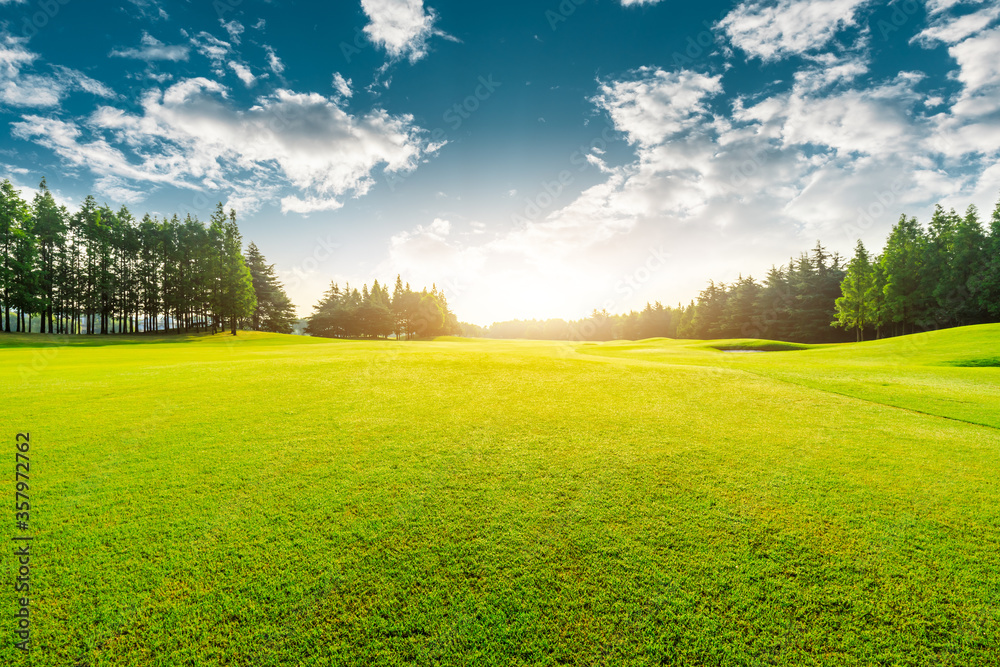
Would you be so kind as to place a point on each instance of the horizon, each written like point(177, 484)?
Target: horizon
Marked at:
point(529, 161)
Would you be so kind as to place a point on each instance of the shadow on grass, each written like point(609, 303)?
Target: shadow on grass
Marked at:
point(17, 340)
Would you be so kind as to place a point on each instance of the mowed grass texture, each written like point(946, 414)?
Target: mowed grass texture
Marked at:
point(271, 500)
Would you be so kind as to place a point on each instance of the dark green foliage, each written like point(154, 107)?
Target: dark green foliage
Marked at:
point(102, 271)
point(347, 313)
point(274, 311)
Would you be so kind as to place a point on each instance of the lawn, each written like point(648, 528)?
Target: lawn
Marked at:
point(275, 500)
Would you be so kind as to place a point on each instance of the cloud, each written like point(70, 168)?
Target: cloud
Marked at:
point(293, 204)
point(243, 72)
point(654, 104)
point(150, 9)
point(151, 49)
point(234, 28)
point(274, 61)
point(775, 30)
point(192, 136)
point(19, 88)
point(118, 190)
point(639, 3)
point(951, 29)
point(836, 155)
point(342, 85)
point(14, 56)
point(212, 48)
point(401, 27)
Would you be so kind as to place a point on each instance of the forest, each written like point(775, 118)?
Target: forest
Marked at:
point(943, 275)
point(348, 313)
point(101, 271)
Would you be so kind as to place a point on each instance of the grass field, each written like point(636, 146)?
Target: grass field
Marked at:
point(272, 500)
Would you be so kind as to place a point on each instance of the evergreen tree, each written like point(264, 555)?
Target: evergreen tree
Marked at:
point(238, 294)
point(902, 264)
point(13, 219)
point(987, 284)
point(855, 309)
point(274, 311)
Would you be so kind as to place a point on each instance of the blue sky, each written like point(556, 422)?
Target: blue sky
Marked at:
point(533, 159)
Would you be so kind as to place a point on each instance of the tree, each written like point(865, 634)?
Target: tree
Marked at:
point(429, 319)
point(49, 229)
point(902, 264)
point(274, 311)
point(987, 284)
point(855, 309)
point(13, 220)
point(237, 285)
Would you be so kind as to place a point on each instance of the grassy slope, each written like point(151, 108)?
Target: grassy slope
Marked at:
point(923, 372)
point(278, 500)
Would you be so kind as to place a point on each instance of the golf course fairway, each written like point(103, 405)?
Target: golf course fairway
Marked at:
point(279, 500)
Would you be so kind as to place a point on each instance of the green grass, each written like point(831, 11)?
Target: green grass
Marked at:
point(273, 500)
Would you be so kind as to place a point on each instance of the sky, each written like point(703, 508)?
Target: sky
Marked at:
point(533, 159)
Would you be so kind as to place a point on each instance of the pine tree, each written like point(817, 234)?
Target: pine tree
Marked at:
point(13, 217)
point(855, 309)
point(902, 264)
point(238, 294)
point(274, 311)
point(49, 230)
point(987, 284)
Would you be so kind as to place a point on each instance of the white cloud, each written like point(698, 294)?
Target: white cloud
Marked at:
point(27, 89)
point(192, 136)
point(401, 27)
point(243, 72)
point(30, 91)
point(274, 61)
point(212, 48)
point(978, 59)
point(75, 80)
point(342, 85)
point(118, 191)
point(153, 49)
point(638, 3)
point(293, 204)
point(836, 156)
point(234, 28)
point(151, 9)
point(14, 56)
point(655, 104)
point(951, 30)
point(775, 30)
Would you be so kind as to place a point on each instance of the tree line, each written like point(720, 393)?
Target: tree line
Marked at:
point(375, 313)
point(943, 275)
point(102, 271)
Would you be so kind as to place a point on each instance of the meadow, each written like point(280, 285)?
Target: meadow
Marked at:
point(278, 500)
